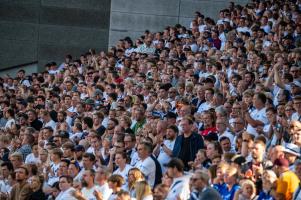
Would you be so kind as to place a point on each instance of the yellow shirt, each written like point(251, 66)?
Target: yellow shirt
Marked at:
point(287, 183)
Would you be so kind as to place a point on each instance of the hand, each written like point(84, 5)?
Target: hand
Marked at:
point(98, 195)
point(245, 136)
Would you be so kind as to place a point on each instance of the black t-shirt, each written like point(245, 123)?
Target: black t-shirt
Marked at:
point(185, 151)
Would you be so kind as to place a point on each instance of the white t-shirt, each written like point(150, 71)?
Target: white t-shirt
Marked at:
point(148, 168)
point(88, 193)
point(51, 124)
point(9, 123)
point(31, 159)
point(163, 157)
point(203, 107)
point(64, 195)
point(105, 190)
point(296, 116)
point(259, 115)
point(124, 172)
point(179, 188)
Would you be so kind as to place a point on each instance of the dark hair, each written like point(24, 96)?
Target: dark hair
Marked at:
point(90, 156)
point(88, 121)
point(9, 166)
point(68, 178)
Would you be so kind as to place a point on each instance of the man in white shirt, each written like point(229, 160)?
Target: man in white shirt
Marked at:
point(101, 179)
point(67, 191)
point(180, 185)
point(297, 107)
point(147, 165)
point(258, 116)
point(47, 121)
point(89, 188)
point(164, 147)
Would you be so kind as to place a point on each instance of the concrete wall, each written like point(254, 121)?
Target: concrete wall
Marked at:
point(46, 30)
point(133, 17)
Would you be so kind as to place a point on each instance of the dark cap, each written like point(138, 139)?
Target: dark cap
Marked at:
point(176, 163)
point(171, 115)
point(89, 102)
point(281, 162)
point(79, 148)
point(64, 134)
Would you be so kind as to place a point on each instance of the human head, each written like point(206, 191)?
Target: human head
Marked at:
point(65, 182)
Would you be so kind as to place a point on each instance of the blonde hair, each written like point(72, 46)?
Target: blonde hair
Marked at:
point(250, 183)
point(143, 189)
point(138, 176)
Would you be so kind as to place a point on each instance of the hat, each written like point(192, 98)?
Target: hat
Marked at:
point(281, 162)
point(177, 163)
point(79, 148)
point(296, 83)
point(238, 159)
point(64, 134)
point(89, 102)
point(97, 92)
point(225, 58)
point(292, 149)
point(171, 115)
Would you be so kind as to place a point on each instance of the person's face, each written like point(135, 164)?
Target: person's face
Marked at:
point(20, 174)
point(238, 125)
point(170, 134)
point(63, 184)
point(87, 178)
point(43, 156)
point(257, 151)
point(5, 171)
point(226, 145)
point(207, 120)
point(72, 170)
point(87, 163)
point(210, 150)
point(248, 191)
point(208, 95)
point(128, 144)
point(196, 182)
point(220, 126)
point(185, 126)
point(35, 149)
point(290, 157)
point(15, 161)
point(34, 182)
point(142, 152)
point(216, 161)
point(119, 160)
point(297, 106)
point(95, 143)
point(229, 178)
point(63, 168)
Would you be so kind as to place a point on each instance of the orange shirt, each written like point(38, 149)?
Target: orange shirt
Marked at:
point(287, 183)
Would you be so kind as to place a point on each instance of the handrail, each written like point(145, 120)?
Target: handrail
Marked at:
point(18, 66)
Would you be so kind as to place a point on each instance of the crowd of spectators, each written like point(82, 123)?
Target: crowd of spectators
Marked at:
point(207, 111)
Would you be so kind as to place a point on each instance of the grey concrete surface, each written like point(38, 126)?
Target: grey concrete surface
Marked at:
point(46, 30)
point(128, 17)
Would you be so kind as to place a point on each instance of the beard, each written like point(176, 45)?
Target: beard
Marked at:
point(84, 183)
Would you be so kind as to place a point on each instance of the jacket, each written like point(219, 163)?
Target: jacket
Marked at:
point(196, 143)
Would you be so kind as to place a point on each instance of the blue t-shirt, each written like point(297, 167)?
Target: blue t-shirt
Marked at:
point(224, 192)
point(264, 196)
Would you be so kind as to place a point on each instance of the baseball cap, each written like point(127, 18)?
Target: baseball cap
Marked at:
point(292, 149)
point(89, 102)
point(281, 162)
point(296, 83)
